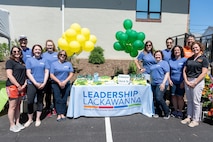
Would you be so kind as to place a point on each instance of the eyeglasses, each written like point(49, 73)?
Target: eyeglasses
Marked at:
point(148, 45)
point(14, 51)
point(63, 55)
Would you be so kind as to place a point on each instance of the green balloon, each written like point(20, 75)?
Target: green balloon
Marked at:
point(117, 46)
point(133, 36)
point(134, 53)
point(141, 47)
point(123, 37)
point(117, 35)
point(141, 36)
point(127, 24)
point(137, 44)
point(128, 48)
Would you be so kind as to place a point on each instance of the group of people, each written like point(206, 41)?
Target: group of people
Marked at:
point(35, 74)
point(179, 70)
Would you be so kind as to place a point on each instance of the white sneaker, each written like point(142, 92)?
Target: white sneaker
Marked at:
point(193, 124)
point(186, 120)
point(37, 123)
point(155, 116)
point(20, 126)
point(14, 129)
point(27, 124)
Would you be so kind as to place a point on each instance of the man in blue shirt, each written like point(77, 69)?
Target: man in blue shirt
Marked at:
point(167, 57)
point(167, 51)
point(27, 53)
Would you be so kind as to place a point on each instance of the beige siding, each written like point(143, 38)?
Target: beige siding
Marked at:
point(41, 23)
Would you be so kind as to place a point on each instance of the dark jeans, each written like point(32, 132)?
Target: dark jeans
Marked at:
point(32, 91)
point(61, 97)
point(159, 100)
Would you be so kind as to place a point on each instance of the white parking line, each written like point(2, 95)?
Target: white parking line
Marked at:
point(108, 130)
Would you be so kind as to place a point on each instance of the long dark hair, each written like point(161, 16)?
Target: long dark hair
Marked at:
point(173, 51)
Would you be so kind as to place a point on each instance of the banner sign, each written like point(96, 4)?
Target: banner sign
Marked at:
point(105, 100)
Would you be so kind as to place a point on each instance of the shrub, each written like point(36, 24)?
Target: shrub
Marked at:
point(4, 51)
point(132, 68)
point(118, 71)
point(97, 56)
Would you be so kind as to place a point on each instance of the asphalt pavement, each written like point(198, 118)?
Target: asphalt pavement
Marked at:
point(132, 128)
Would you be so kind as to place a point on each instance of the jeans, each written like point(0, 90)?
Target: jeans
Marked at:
point(60, 96)
point(159, 100)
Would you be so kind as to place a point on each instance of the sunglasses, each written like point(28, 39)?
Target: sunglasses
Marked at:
point(16, 51)
point(63, 55)
point(148, 45)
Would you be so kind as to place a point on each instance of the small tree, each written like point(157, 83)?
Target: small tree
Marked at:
point(97, 56)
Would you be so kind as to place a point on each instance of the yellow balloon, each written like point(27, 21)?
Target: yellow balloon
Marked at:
point(76, 27)
point(63, 35)
point(62, 43)
point(79, 51)
point(81, 39)
point(93, 38)
point(74, 46)
point(89, 46)
point(69, 53)
point(86, 33)
point(70, 34)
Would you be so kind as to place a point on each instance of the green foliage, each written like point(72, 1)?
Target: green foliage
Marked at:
point(97, 56)
point(132, 68)
point(118, 71)
point(4, 51)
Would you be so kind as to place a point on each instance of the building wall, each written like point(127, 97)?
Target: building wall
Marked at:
point(42, 19)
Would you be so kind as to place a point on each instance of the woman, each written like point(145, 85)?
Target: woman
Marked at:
point(51, 56)
point(194, 73)
point(159, 82)
point(176, 81)
point(146, 56)
point(15, 86)
point(37, 72)
point(61, 72)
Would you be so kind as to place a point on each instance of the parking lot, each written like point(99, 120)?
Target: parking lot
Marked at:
point(133, 128)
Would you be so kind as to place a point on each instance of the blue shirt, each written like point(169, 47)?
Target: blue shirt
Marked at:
point(176, 69)
point(167, 54)
point(148, 60)
point(158, 72)
point(27, 53)
point(50, 57)
point(61, 70)
point(37, 67)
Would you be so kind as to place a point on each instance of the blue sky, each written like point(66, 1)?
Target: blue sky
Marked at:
point(201, 15)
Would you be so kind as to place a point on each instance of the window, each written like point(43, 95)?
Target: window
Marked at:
point(148, 10)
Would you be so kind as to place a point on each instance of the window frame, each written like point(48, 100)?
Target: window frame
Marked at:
point(149, 13)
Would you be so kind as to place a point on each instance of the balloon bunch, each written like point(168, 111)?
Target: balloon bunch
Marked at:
point(129, 41)
point(76, 39)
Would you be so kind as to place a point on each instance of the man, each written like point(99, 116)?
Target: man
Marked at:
point(167, 51)
point(25, 50)
point(187, 49)
point(167, 57)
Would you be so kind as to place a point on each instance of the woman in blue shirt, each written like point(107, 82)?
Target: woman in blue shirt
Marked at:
point(51, 56)
point(176, 80)
point(37, 72)
point(159, 82)
point(146, 56)
point(61, 72)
